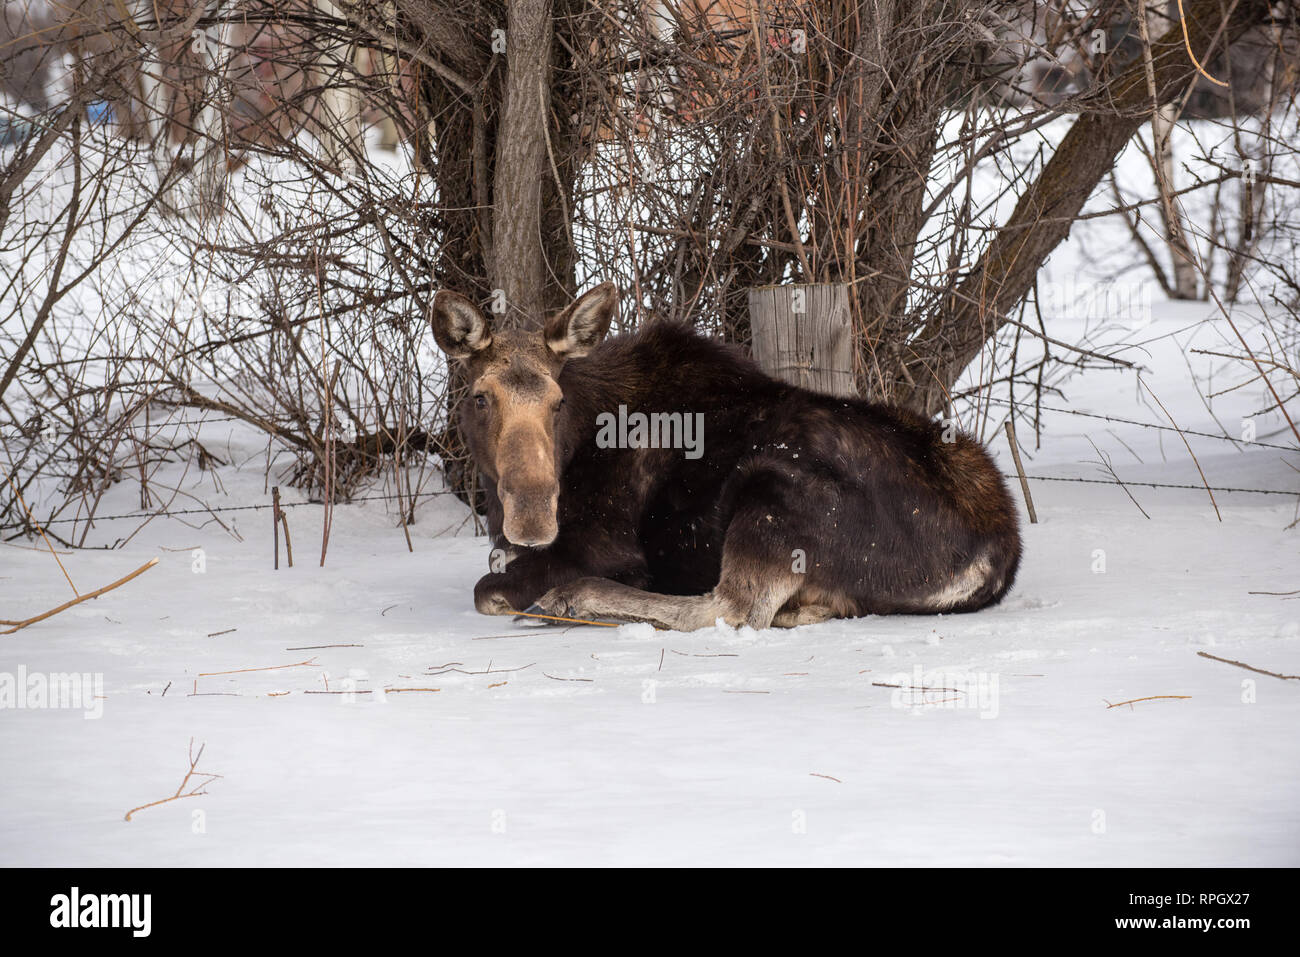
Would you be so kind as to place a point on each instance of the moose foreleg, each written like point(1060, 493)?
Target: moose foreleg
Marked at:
point(603, 598)
point(517, 580)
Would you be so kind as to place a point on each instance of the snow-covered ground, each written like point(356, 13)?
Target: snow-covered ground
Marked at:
point(630, 746)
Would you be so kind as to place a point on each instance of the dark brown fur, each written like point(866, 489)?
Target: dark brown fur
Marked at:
point(802, 507)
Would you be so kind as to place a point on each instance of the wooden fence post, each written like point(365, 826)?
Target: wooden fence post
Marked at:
point(1020, 470)
point(802, 335)
point(275, 522)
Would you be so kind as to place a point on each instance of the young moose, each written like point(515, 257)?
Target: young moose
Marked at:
point(802, 507)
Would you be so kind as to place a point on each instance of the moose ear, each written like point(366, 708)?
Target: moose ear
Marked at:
point(459, 328)
point(580, 327)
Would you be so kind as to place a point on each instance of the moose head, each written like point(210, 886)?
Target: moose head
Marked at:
point(510, 412)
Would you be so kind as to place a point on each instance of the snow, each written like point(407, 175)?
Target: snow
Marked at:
point(632, 746)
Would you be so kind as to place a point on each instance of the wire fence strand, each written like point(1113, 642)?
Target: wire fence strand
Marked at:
point(412, 499)
point(169, 513)
point(1144, 425)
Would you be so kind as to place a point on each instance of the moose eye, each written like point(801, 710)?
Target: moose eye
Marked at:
point(480, 400)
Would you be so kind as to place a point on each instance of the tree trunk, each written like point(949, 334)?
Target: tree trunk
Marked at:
point(518, 265)
point(954, 336)
point(871, 212)
point(1184, 270)
point(1185, 275)
point(340, 102)
point(504, 217)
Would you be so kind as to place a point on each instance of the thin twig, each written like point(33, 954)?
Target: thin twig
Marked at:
point(198, 790)
point(1205, 481)
point(1187, 42)
point(316, 647)
point(579, 621)
point(1242, 664)
point(309, 663)
point(19, 494)
point(78, 600)
point(1153, 697)
point(1020, 470)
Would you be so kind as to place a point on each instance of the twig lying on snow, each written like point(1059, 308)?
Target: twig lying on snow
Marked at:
point(338, 692)
point(488, 671)
point(198, 790)
point(400, 690)
point(580, 621)
point(884, 684)
point(1153, 697)
point(309, 663)
point(78, 600)
point(1242, 664)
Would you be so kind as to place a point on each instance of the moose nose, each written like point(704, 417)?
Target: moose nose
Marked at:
point(529, 517)
point(525, 542)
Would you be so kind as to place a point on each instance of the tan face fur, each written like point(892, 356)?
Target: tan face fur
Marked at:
point(509, 414)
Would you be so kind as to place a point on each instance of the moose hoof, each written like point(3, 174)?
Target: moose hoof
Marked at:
point(571, 600)
point(493, 603)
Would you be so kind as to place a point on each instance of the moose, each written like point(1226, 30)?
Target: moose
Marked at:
point(796, 507)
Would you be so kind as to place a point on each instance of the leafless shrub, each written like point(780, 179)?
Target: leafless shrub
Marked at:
point(255, 231)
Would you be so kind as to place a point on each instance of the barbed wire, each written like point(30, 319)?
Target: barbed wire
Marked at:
point(1145, 425)
point(18, 433)
point(169, 513)
point(1202, 488)
point(413, 499)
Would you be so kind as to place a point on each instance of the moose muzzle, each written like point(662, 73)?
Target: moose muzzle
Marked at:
point(528, 486)
point(530, 517)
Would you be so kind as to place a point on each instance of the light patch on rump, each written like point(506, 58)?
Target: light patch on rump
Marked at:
point(964, 585)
